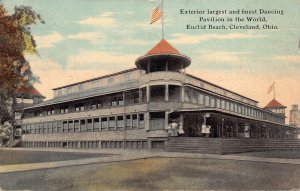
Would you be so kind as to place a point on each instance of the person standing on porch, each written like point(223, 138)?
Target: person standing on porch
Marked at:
point(181, 131)
point(208, 127)
point(203, 130)
point(174, 127)
point(169, 129)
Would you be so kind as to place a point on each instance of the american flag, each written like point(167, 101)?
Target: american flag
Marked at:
point(271, 88)
point(156, 13)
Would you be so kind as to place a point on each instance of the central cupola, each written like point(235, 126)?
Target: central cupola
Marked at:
point(162, 57)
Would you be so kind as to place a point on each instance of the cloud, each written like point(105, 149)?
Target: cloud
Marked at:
point(92, 37)
point(221, 56)
point(48, 41)
point(104, 20)
point(135, 42)
point(53, 75)
point(100, 59)
point(180, 38)
point(288, 59)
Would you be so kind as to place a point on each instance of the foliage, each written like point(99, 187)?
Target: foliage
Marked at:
point(16, 41)
point(5, 131)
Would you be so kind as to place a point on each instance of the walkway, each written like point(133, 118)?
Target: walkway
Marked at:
point(117, 155)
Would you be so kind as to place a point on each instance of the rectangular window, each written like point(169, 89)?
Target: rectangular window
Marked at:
point(79, 107)
point(49, 127)
point(64, 91)
point(120, 122)
point(127, 76)
point(82, 108)
point(80, 87)
point(60, 127)
point(94, 105)
point(41, 127)
point(32, 129)
point(212, 102)
point(50, 111)
point(117, 100)
point(95, 84)
point(128, 121)
point(89, 125)
point(82, 125)
point(187, 96)
point(194, 97)
point(227, 105)
point(111, 123)
point(201, 99)
point(37, 128)
point(65, 126)
point(141, 121)
point(206, 100)
point(59, 92)
point(134, 121)
point(69, 90)
point(76, 126)
point(45, 128)
point(54, 127)
point(223, 104)
point(218, 103)
point(64, 109)
point(110, 81)
point(96, 124)
point(71, 126)
point(104, 123)
point(231, 107)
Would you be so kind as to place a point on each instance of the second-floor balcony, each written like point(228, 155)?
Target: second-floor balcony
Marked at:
point(162, 76)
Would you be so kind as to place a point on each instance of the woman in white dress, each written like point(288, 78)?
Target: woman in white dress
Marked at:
point(181, 131)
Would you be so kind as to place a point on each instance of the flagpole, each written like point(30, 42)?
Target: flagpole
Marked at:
point(274, 91)
point(162, 19)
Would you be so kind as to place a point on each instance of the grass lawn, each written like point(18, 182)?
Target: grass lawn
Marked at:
point(160, 174)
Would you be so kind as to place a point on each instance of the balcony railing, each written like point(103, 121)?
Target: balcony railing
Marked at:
point(162, 75)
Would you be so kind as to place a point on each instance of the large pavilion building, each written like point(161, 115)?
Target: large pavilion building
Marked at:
point(133, 108)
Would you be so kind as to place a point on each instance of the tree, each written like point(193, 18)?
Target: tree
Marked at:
point(5, 132)
point(16, 41)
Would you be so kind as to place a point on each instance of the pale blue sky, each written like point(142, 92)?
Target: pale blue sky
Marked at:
point(88, 38)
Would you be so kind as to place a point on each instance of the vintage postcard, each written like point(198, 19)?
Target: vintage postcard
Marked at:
point(149, 95)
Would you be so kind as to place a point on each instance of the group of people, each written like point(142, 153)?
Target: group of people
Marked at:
point(174, 129)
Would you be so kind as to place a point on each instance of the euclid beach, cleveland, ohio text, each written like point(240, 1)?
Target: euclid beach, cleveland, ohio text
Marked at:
point(235, 19)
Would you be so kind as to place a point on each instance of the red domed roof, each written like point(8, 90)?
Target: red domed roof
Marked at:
point(163, 47)
point(274, 104)
point(163, 50)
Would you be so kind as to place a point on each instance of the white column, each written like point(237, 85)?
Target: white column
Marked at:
point(166, 119)
point(148, 93)
point(167, 92)
point(182, 93)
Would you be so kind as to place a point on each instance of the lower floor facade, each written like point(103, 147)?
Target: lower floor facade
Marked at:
point(148, 129)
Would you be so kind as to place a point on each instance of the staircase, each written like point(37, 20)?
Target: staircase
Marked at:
point(194, 144)
point(227, 146)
